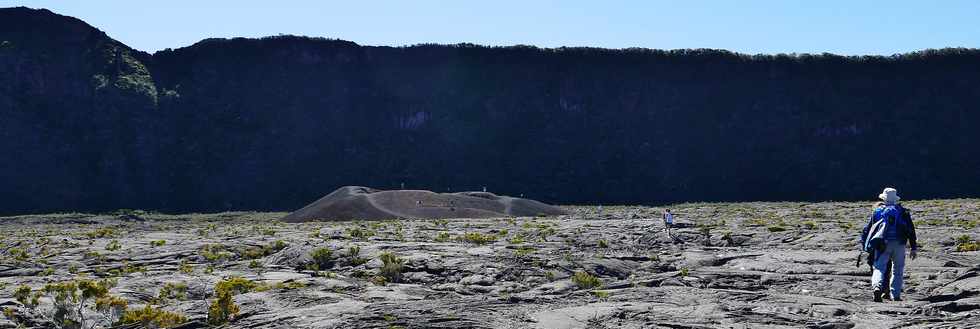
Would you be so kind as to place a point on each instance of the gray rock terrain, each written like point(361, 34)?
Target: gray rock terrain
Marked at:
point(738, 265)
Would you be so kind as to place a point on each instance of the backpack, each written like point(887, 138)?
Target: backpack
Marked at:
point(888, 215)
point(892, 213)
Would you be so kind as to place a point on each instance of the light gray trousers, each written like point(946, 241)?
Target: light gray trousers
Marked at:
point(895, 252)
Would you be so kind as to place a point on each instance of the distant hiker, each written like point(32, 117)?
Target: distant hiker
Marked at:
point(884, 238)
point(668, 220)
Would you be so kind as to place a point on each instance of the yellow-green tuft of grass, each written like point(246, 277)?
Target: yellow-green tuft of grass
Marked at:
point(585, 280)
point(443, 237)
point(966, 243)
point(478, 238)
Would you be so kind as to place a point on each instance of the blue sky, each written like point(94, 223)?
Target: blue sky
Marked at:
point(845, 27)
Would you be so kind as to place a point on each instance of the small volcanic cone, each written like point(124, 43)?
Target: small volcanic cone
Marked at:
point(363, 203)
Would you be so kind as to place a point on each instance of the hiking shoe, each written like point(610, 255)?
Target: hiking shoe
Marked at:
point(877, 296)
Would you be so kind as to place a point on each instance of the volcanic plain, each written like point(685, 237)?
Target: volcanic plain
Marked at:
point(727, 265)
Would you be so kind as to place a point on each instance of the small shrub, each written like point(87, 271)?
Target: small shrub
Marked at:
point(113, 245)
point(69, 298)
point(223, 308)
point(776, 228)
point(684, 271)
point(322, 259)
point(255, 265)
point(353, 256)
point(603, 244)
point(601, 294)
point(290, 285)
point(111, 307)
point(150, 317)
point(19, 255)
point(128, 268)
point(214, 253)
point(185, 267)
point(968, 224)
point(391, 268)
point(353, 251)
point(813, 214)
point(10, 314)
point(25, 296)
point(379, 280)
point(966, 243)
point(158, 243)
point(585, 280)
point(524, 251)
point(259, 252)
point(171, 291)
point(479, 238)
point(359, 233)
point(105, 232)
point(545, 231)
point(443, 237)
point(235, 285)
point(972, 246)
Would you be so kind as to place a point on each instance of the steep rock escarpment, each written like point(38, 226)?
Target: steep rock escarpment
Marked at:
point(90, 124)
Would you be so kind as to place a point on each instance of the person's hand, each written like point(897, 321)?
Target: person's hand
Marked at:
point(912, 254)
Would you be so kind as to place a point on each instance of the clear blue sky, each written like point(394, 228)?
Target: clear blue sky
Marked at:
point(812, 26)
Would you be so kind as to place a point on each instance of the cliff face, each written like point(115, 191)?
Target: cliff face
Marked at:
point(90, 124)
point(76, 116)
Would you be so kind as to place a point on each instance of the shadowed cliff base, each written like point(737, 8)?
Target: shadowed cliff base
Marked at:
point(364, 203)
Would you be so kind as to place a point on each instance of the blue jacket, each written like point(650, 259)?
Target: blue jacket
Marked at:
point(905, 228)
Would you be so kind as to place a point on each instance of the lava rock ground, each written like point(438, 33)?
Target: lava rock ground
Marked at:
point(728, 265)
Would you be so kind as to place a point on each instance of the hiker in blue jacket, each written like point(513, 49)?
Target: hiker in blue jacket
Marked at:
point(884, 238)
